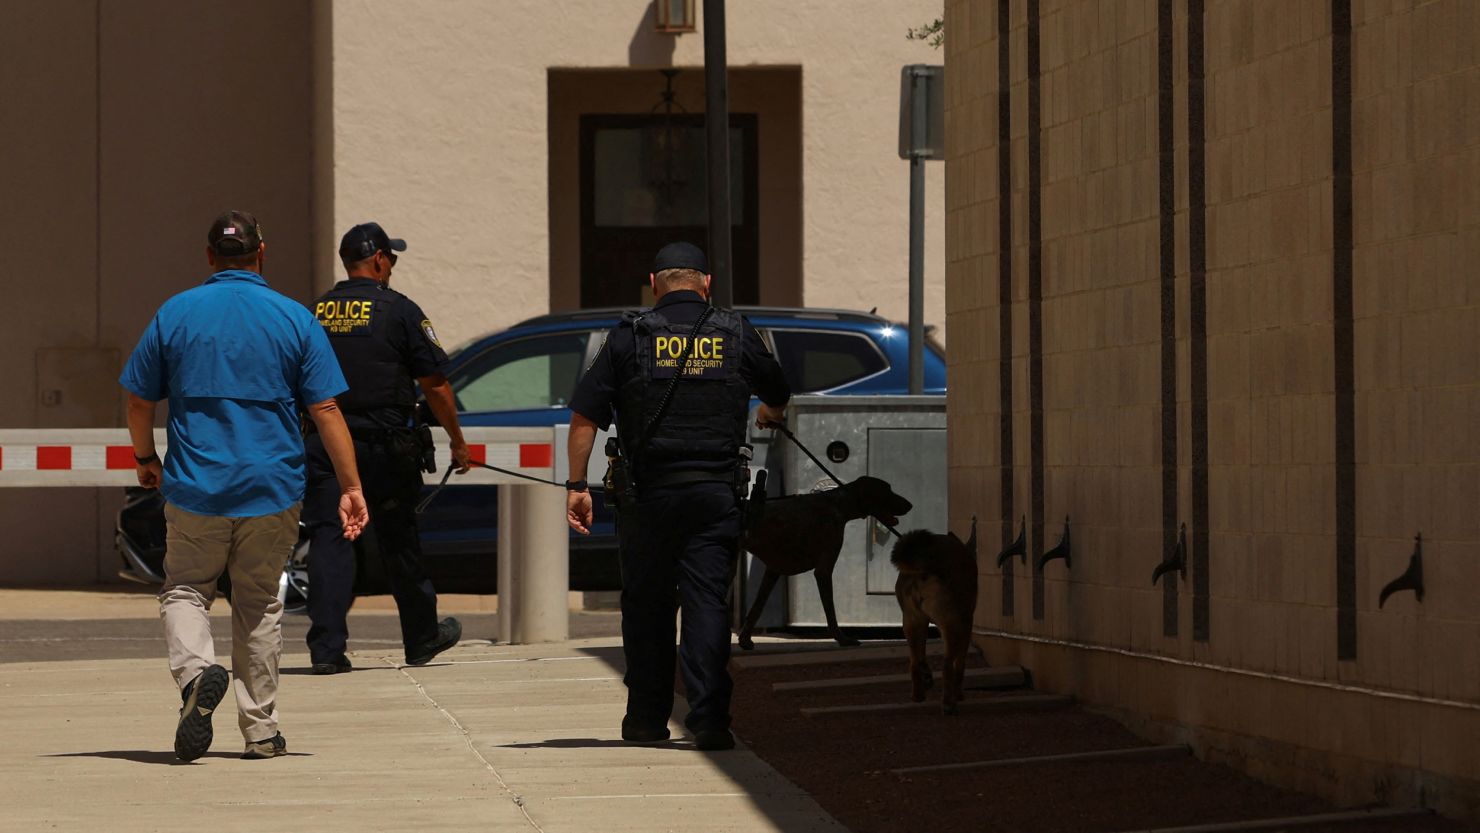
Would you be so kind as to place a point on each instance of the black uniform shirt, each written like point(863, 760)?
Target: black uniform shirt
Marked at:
point(383, 347)
point(617, 362)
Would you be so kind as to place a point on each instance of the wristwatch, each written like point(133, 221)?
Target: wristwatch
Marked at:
point(576, 486)
point(144, 461)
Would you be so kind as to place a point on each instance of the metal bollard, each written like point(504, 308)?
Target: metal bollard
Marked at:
point(533, 565)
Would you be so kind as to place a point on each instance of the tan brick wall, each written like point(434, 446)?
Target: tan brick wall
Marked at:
point(973, 415)
point(1417, 311)
point(1270, 355)
point(1355, 729)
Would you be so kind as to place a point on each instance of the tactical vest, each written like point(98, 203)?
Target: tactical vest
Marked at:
point(359, 321)
point(704, 423)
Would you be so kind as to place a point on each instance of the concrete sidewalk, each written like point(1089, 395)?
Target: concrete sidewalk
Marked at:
point(488, 738)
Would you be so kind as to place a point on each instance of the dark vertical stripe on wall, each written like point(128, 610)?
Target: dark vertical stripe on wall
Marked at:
point(1004, 287)
point(1168, 181)
point(1341, 233)
point(1197, 243)
point(98, 168)
point(1035, 305)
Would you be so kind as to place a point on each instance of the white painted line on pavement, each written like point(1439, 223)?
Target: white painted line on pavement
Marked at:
point(645, 795)
point(52, 695)
point(556, 680)
point(489, 661)
point(152, 638)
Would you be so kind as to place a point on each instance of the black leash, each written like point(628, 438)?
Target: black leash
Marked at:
point(782, 428)
point(793, 437)
point(451, 467)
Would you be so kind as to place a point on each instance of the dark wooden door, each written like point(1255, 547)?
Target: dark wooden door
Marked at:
point(643, 187)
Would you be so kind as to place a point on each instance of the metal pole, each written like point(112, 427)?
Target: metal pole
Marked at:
point(543, 608)
point(533, 565)
point(508, 576)
point(717, 136)
point(508, 573)
point(917, 236)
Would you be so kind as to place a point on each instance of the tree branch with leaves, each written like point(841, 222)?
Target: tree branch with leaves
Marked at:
point(933, 33)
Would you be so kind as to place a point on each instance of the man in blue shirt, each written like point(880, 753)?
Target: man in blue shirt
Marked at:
point(237, 362)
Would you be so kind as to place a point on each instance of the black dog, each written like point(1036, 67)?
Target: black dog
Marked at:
point(798, 533)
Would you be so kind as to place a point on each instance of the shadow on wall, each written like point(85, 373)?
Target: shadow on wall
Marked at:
point(649, 48)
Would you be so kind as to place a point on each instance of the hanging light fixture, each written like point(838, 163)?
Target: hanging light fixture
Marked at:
point(675, 17)
point(665, 144)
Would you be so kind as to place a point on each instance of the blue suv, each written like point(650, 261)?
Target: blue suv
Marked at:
point(524, 376)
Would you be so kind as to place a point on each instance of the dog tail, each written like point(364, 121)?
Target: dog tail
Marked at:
point(916, 552)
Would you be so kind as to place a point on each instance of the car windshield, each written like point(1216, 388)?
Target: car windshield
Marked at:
point(534, 372)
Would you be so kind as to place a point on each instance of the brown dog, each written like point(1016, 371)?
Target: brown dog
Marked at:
point(937, 583)
point(797, 533)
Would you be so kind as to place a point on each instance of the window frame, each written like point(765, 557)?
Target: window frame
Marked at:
point(779, 353)
point(585, 362)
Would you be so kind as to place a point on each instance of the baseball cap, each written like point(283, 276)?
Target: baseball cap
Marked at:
point(681, 256)
point(235, 233)
point(366, 239)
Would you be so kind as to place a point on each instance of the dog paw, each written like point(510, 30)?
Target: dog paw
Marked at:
point(848, 642)
point(746, 643)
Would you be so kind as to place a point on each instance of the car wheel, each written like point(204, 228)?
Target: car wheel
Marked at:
point(293, 584)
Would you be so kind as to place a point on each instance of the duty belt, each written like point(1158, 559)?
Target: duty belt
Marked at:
point(674, 478)
point(364, 435)
point(377, 435)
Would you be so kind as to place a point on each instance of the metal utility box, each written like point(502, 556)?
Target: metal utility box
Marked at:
point(901, 439)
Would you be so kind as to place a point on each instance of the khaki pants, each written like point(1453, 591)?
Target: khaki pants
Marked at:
point(198, 549)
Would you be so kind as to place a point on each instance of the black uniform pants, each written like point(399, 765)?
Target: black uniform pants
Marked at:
point(684, 540)
point(392, 487)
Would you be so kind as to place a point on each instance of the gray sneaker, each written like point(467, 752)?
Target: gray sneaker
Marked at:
point(270, 748)
point(201, 696)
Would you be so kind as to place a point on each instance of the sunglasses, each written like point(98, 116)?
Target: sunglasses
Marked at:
point(390, 255)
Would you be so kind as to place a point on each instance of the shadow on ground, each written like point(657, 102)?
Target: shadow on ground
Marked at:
point(155, 756)
point(597, 743)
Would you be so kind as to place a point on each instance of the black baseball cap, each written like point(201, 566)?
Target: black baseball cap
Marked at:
point(366, 239)
point(681, 256)
point(235, 233)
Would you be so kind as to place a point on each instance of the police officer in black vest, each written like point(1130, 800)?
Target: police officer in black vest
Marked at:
point(680, 378)
point(385, 344)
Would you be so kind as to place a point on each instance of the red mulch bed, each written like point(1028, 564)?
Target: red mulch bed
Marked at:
point(842, 760)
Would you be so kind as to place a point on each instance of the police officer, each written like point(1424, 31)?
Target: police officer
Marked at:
point(680, 378)
point(384, 343)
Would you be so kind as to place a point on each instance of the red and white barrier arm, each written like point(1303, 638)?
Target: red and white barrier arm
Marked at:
point(105, 457)
point(529, 451)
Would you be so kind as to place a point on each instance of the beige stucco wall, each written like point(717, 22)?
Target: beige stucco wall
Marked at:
point(1267, 689)
point(125, 132)
point(440, 118)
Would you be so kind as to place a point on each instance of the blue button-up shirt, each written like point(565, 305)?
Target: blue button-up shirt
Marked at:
point(237, 361)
